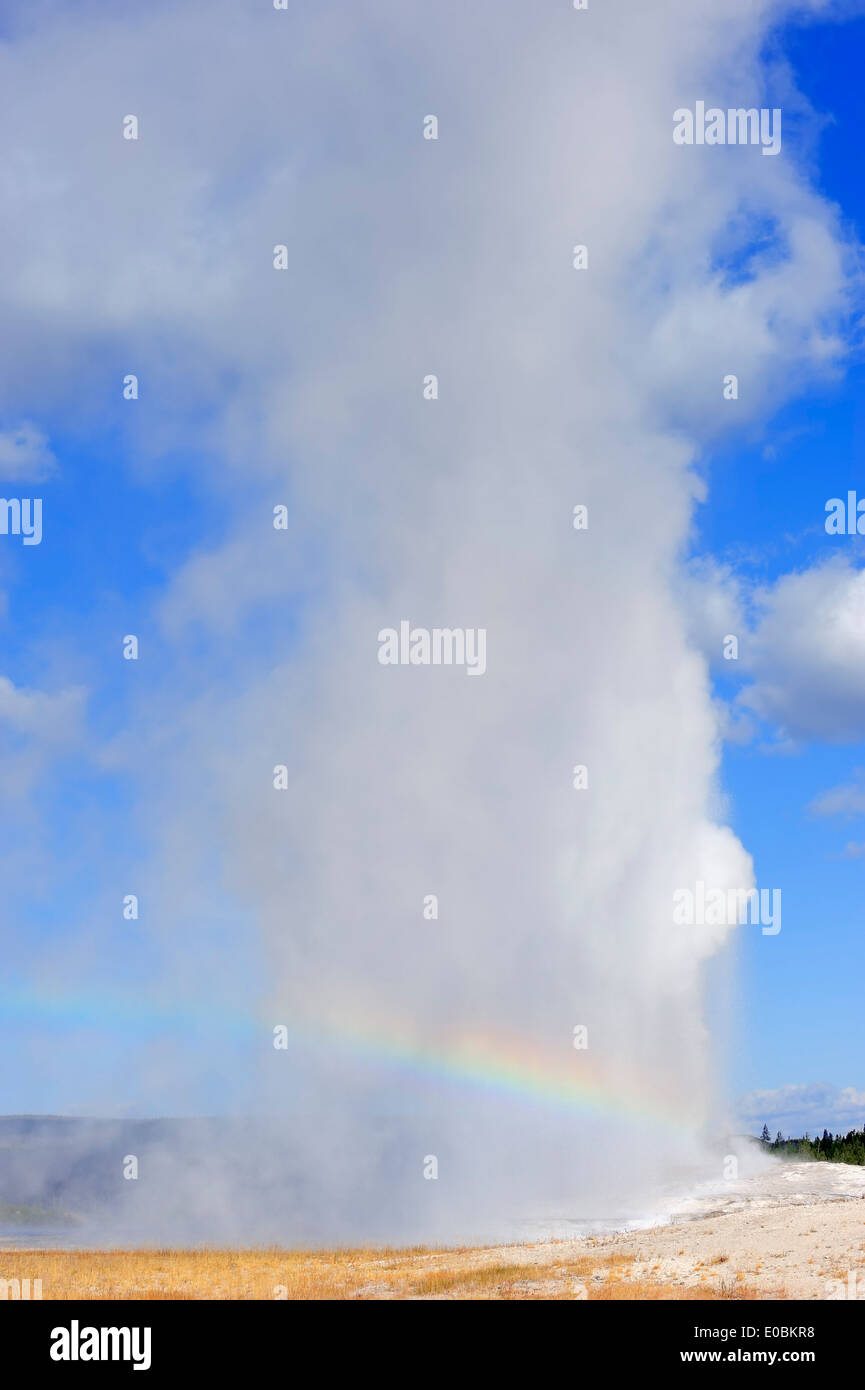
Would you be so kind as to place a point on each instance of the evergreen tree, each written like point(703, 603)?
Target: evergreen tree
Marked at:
point(829, 1148)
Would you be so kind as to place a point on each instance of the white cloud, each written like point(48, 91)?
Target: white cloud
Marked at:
point(799, 648)
point(714, 603)
point(796, 1108)
point(38, 730)
point(25, 454)
point(848, 799)
point(804, 654)
point(50, 717)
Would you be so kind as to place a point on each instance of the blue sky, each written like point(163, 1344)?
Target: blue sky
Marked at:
point(801, 999)
point(134, 512)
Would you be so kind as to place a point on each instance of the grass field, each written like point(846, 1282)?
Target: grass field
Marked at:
point(522, 1273)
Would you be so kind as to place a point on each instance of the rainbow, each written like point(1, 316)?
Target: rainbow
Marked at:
point(507, 1066)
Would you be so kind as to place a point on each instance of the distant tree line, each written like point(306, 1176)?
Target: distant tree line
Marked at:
point(830, 1148)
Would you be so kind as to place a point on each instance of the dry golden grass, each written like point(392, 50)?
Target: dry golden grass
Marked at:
point(346, 1274)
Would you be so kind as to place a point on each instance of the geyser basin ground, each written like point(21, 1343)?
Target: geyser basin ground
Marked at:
point(794, 1231)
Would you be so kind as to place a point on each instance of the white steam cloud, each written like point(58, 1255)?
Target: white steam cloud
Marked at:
point(557, 387)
